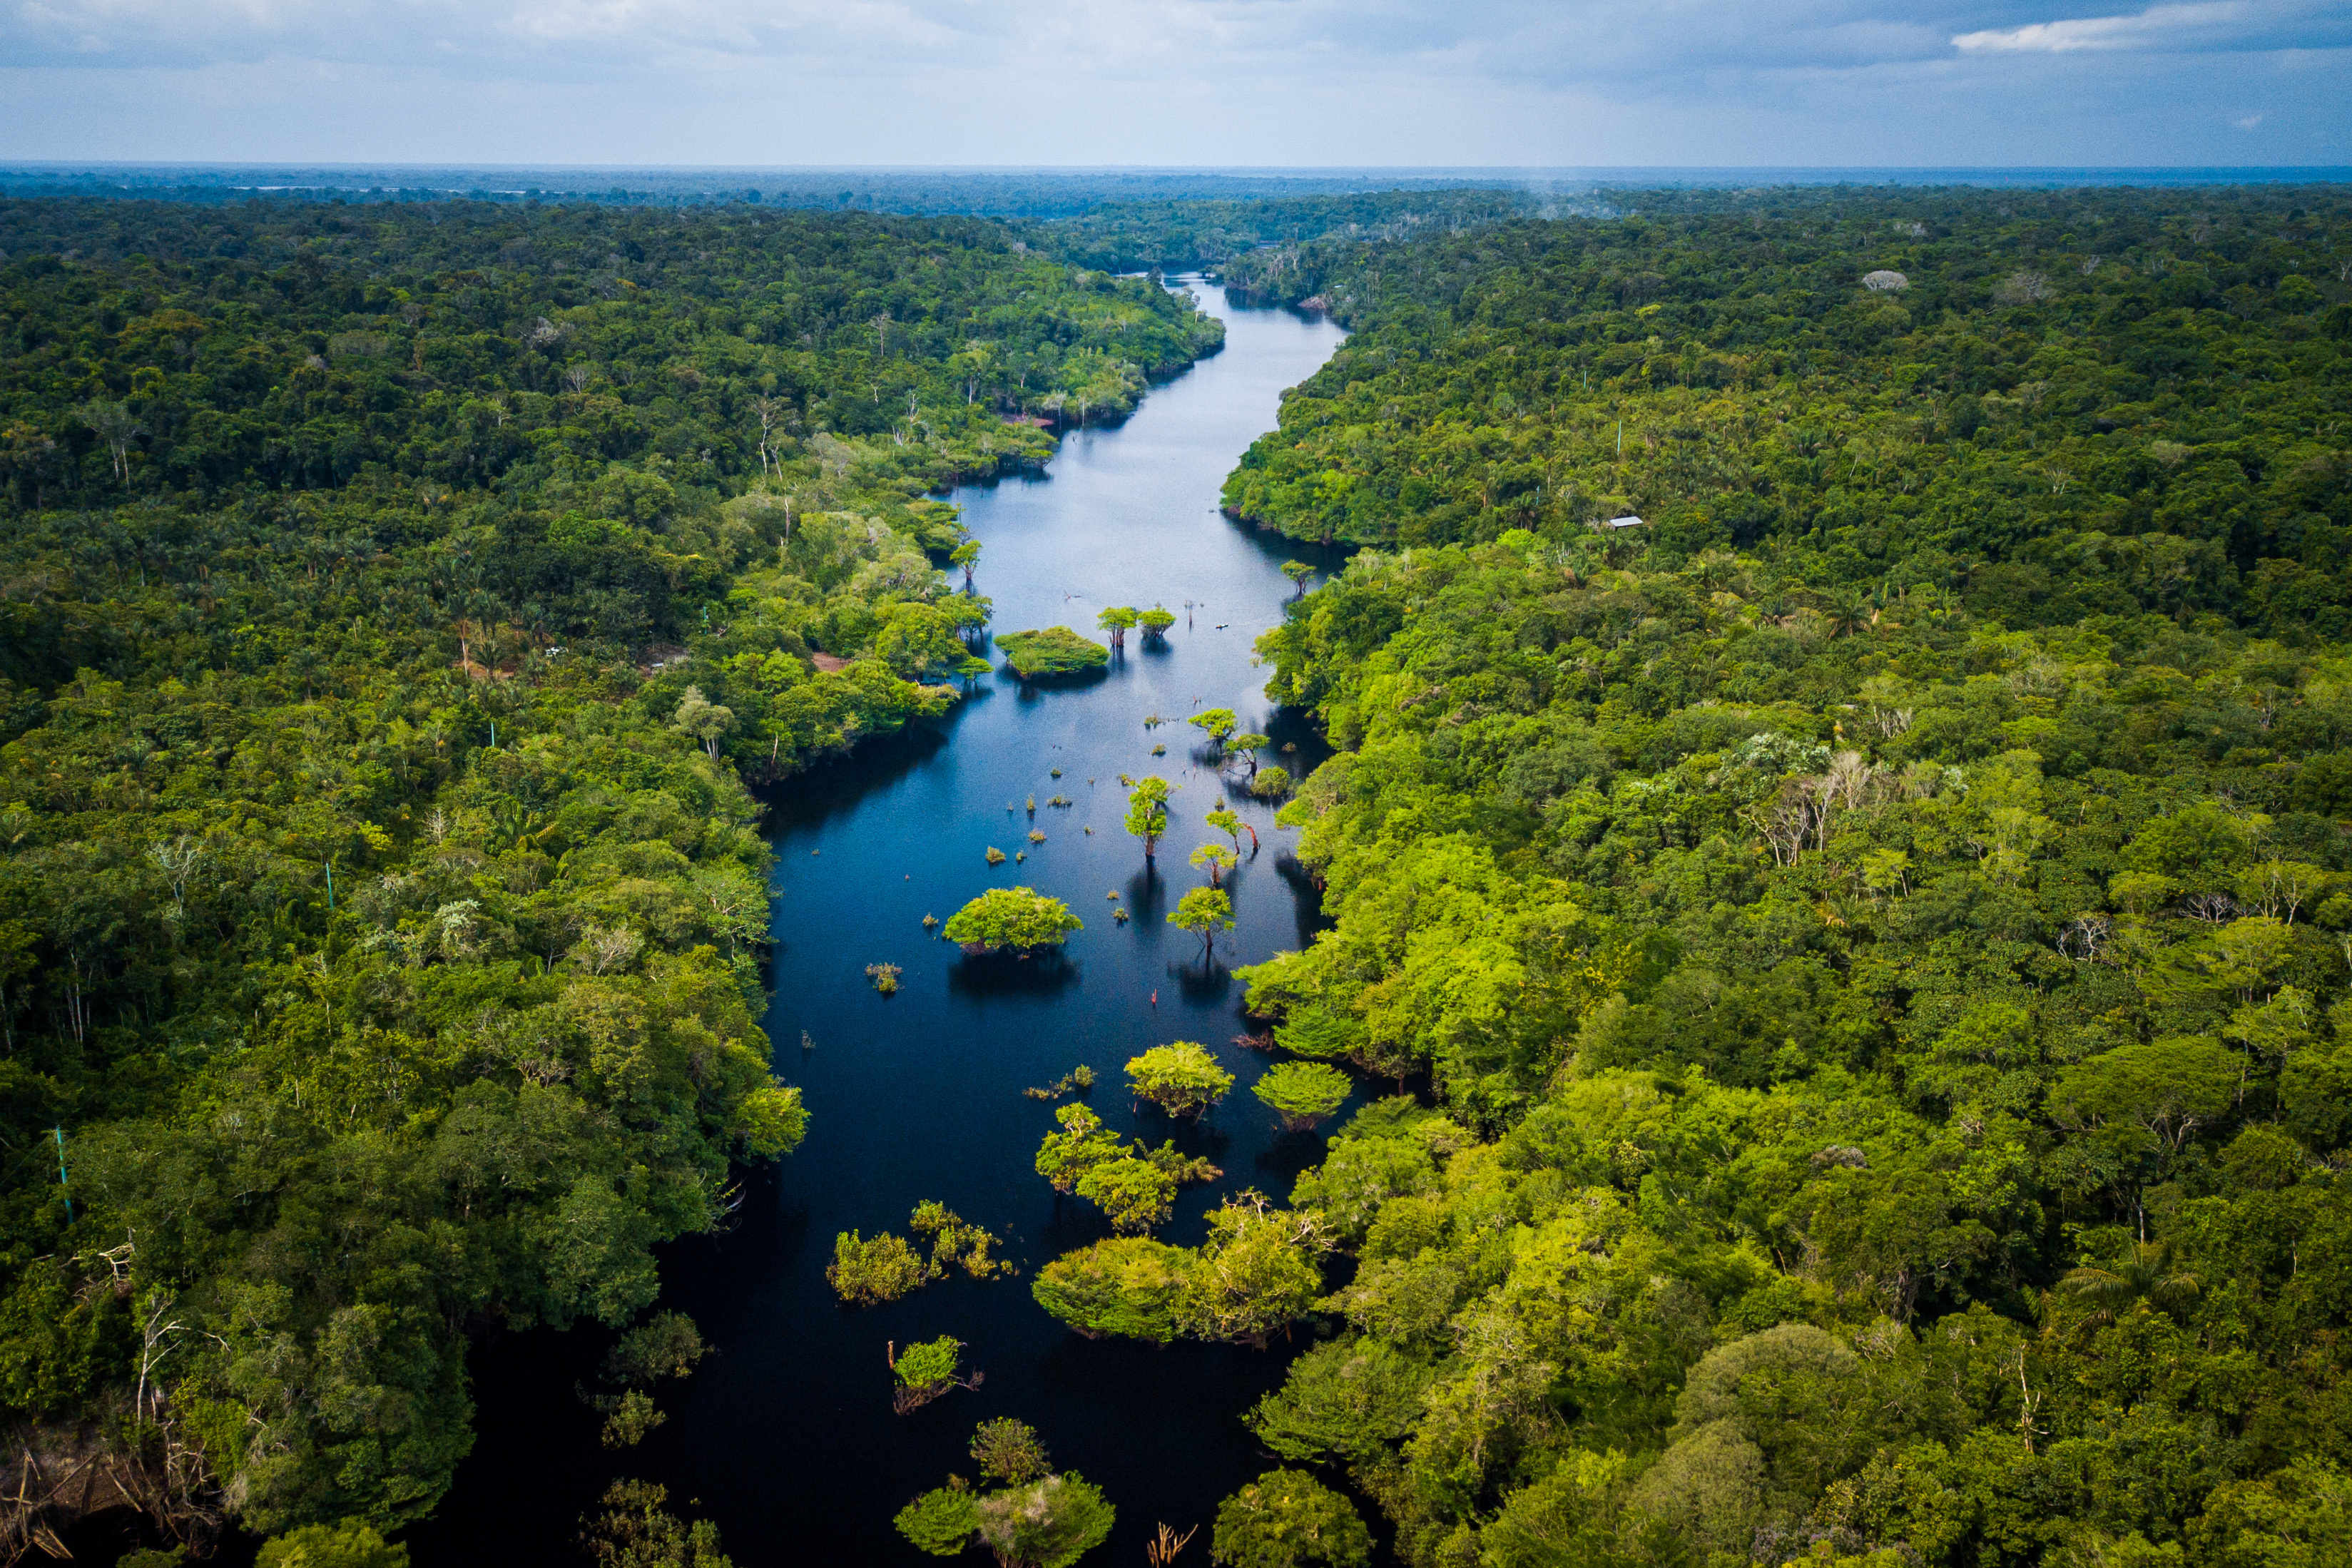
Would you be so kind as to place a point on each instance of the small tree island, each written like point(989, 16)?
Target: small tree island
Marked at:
point(1019, 918)
point(1058, 651)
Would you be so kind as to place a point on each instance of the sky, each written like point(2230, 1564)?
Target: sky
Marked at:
point(1521, 83)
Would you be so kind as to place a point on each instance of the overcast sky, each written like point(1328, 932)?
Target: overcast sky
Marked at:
point(1190, 82)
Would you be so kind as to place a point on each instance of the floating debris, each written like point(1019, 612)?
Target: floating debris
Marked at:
point(1035, 836)
point(931, 923)
point(996, 855)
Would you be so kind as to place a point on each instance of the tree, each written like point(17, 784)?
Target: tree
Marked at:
point(1182, 1078)
point(1082, 1144)
point(1048, 1523)
point(1204, 911)
point(350, 1543)
point(1146, 812)
point(1055, 652)
point(1156, 621)
point(1129, 1286)
point(1298, 572)
point(1303, 1092)
point(1270, 783)
point(1287, 1519)
point(1257, 1275)
point(1247, 744)
point(114, 424)
point(1230, 823)
point(1118, 620)
point(1215, 722)
point(636, 1532)
point(1217, 858)
point(703, 720)
point(2146, 1273)
point(1135, 1194)
point(1019, 918)
point(866, 1273)
point(1009, 1451)
point(927, 1370)
point(941, 1521)
point(966, 555)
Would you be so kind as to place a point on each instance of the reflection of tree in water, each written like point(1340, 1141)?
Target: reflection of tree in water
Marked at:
point(1003, 975)
point(1147, 898)
point(1202, 981)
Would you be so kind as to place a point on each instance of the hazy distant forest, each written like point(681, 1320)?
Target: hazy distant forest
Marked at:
point(1858, 957)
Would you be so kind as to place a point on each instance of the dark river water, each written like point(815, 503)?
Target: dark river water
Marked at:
point(785, 1438)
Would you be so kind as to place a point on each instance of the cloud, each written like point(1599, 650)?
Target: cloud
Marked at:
point(1386, 83)
point(2249, 122)
point(2101, 32)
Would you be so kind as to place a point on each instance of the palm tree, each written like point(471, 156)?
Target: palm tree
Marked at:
point(2146, 1275)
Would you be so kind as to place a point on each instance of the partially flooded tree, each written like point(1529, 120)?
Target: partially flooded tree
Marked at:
point(1118, 620)
point(1009, 1451)
point(1216, 860)
point(1146, 812)
point(1214, 723)
point(926, 1372)
point(1156, 621)
point(1247, 745)
point(966, 555)
point(1204, 911)
point(1019, 920)
point(1297, 572)
point(1229, 822)
point(1182, 1078)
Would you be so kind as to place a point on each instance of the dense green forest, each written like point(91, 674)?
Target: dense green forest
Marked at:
point(1876, 930)
point(394, 600)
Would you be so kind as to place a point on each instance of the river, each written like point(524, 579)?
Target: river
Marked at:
point(785, 1438)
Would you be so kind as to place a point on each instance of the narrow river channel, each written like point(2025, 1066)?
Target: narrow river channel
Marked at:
point(786, 1437)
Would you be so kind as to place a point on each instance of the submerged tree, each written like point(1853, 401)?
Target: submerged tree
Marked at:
point(1128, 1287)
point(1297, 572)
point(1119, 620)
point(1229, 822)
point(1247, 745)
point(1214, 723)
point(1287, 1519)
point(1049, 1523)
point(1204, 911)
point(966, 555)
point(1216, 860)
point(926, 1372)
point(1156, 621)
point(1009, 1451)
point(636, 1531)
point(1182, 1077)
point(1019, 920)
point(1146, 812)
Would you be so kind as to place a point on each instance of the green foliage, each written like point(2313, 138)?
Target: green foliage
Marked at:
point(1216, 858)
point(1048, 1523)
point(1287, 1519)
point(1082, 1144)
point(1056, 651)
point(941, 1521)
point(1017, 918)
point(1258, 1272)
point(1156, 621)
point(351, 1544)
point(1303, 1092)
point(1147, 811)
point(1127, 1286)
point(1270, 783)
point(1872, 955)
point(1180, 1077)
point(406, 590)
point(1204, 911)
point(1135, 1193)
point(956, 1242)
point(1215, 722)
point(866, 1273)
point(1009, 1451)
point(636, 1531)
point(928, 1364)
